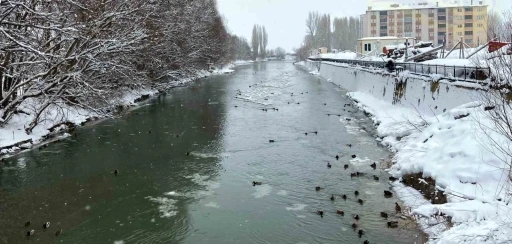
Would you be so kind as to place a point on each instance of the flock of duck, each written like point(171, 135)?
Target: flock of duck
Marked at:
point(45, 227)
point(356, 217)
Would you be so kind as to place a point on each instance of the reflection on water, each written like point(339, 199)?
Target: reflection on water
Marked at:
point(186, 162)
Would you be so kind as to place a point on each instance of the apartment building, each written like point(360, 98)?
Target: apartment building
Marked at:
point(429, 21)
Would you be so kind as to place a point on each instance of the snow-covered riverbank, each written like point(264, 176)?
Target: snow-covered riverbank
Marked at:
point(458, 149)
point(13, 137)
point(457, 153)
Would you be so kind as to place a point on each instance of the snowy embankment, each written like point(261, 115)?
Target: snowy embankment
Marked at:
point(457, 150)
point(57, 119)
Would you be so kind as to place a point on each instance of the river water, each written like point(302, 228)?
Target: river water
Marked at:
point(163, 195)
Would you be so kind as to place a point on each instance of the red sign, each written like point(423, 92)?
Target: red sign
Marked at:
point(493, 45)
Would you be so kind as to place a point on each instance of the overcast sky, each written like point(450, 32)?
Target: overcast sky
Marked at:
point(284, 19)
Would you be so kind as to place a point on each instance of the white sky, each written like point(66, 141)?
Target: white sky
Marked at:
point(284, 19)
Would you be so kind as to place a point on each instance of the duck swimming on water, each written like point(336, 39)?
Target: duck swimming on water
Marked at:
point(256, 183)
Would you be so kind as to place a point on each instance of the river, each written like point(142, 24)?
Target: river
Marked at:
point(163, 195)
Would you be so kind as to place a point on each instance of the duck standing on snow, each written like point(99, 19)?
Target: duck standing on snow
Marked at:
point(398, 208)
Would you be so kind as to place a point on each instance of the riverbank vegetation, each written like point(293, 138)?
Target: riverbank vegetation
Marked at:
point(340, 33)
point(55, 55)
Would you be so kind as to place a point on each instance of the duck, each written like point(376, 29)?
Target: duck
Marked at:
point(116, 172)
point(356, 193)
point(375, 177)
point(360, 233)
point(149, 132)
point(340, 212)
point(374, 165)
point(344, 197)
point(398, 208)
point(353, 175)
point(257, 183)
point(356, 217)
point(329, 165)
point(360, 201)
point(321, 213)
point(346, 166)
point(337, 157)
point(306, 133)
point(46, 225)
point(354, 225)
point(57, 233)
point(318, 188)
point(27, 223)
point(388, 193)
point(349, 145)
point(366, 242)
point(392, 224)
point(354, 156)
point(391, 178)
point(325, 104)
point(271, 141)
point(383, 215)
point(316, 132)
point(30, 232)
point(332, 198)
point(188, 153)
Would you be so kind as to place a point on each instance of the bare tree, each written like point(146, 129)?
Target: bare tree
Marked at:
point(312, 24)
point(84, 53)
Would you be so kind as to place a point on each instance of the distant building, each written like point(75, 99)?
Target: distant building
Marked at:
point(322, 50)
point(378, 45)
point(428, 20)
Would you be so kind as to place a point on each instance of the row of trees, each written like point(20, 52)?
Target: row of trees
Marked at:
point(259, 42)
point(83, 52)
point(340, 33)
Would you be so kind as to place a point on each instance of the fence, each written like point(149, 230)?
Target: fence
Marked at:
point(446, 71)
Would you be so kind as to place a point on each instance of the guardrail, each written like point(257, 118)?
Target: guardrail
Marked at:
point(452, 72)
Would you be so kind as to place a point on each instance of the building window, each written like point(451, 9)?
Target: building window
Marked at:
point(441, 17)
point(408, 34)
point(431, 34)
point(459, 17)
point(468, 9)
point(459, 10)
point(441, 10)
point(468, 33)
point(480, 25)
point(440, 33)
point(468, 40)
point(459, 33)
point(480, 17)
point(468, 25)
point(480, 9)
point(468, 16)
point(442, 26)
point(383, 12)
point(408, 19)
point(459, 26)
point(440, 42)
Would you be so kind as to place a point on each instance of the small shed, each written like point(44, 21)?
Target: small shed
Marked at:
point(322, 50)
point(377, 45)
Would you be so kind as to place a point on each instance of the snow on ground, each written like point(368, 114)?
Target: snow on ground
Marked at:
point(458, 153)
point(340, 55)
point(14, 131)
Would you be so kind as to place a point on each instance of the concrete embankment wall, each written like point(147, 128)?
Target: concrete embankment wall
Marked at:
point(416, 93)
